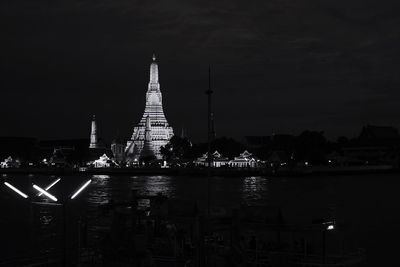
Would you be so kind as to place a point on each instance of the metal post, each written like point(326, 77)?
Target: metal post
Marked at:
point(134, 205)
point(31, 217)
point(323, 246)
point(305, 249)
point(200, 242)
point(64, 232)
point(209, 140)
point(79, 241)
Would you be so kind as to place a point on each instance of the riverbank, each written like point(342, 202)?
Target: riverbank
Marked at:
point(304, 171)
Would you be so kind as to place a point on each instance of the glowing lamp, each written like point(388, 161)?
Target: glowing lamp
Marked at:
point(44, 192)
point(50, 186)
point(80, 189)
point(16, 190)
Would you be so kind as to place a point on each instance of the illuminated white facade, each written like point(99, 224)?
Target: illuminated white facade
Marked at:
point(245, 160)
point(217, 160)
point(103, 162)
point(158, 132)
point(10, 163)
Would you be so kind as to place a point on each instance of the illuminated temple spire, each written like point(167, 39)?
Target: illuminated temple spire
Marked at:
point(93, 134)
point(153, 130)
point(153, 83)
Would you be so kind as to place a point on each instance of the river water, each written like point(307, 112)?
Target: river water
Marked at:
point(369, 205)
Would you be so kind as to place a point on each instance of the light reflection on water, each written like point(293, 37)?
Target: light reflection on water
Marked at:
point(99, 193)
point(153, 185)
point(254, 189)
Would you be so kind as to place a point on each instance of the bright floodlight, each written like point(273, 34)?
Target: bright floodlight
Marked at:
point(16, 190)
point(50, 186)
point(80, 189)
point(44, 192)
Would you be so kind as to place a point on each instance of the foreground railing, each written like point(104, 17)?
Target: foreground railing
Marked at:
point(256, 258)
point(36, 261)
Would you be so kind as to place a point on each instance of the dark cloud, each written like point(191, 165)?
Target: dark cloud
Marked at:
point(278, 65)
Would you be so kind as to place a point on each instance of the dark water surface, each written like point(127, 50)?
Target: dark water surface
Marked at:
point(369, 205)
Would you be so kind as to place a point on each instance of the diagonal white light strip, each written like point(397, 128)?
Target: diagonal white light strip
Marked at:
point(16, 190)
point(50, 186)
point(44, 192)
point(80, 189)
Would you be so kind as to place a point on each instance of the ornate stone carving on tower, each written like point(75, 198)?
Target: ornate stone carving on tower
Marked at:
point(93, 134)
point(153, 130)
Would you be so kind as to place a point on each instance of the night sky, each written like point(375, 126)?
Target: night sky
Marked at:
point(278, 66)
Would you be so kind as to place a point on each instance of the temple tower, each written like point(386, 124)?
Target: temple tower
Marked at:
point(93, 134)
point(153, 126)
